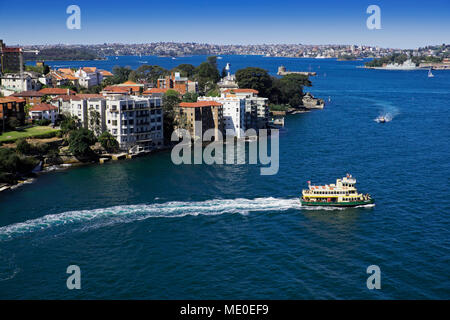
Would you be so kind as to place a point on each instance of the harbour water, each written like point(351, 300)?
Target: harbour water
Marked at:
point(149, 229)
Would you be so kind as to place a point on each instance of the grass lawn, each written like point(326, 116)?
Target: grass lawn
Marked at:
point(26, 133)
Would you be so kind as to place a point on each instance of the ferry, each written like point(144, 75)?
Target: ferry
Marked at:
point(341, 194)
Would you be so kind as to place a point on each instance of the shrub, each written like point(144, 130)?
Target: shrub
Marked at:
point(108, 142)
point(80, 142)
point(43, 122)
point(23, 146)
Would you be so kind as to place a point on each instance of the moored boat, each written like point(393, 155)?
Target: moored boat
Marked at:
point(341, 194)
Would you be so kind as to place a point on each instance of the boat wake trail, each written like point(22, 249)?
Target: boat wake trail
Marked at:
point(97, 218)
point(389, 113)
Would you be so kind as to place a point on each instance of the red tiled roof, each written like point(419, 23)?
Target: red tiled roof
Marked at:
point(119, 89)
point(242, 90)
point(11, 99)
point(155, 90)
point(89, 69)
point(43, 107)
point(29, 93)
point(106, 73)
point(56, 91)
point(199, 104)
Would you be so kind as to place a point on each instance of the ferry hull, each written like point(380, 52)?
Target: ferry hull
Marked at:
point(337, 204)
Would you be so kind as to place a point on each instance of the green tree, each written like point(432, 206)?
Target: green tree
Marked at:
point(108, 142)
point(121, 74)
point(147, 73)
point(23, 147)
point(12, 165)
point(212, 60)
point(68, 124)
point(185, 69)
point(190, 97)
point(95, 121)
point(254, 78)
point(207, 76)
point(171, 99)
point(80, 142)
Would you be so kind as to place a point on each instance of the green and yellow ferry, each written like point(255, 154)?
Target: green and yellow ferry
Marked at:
point(341, 194)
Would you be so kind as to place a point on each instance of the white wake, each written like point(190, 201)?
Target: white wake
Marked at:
point(130, 213)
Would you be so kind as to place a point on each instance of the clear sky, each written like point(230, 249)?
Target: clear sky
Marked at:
point(405, 24)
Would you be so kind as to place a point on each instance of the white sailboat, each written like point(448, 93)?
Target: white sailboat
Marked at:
point(430, 74)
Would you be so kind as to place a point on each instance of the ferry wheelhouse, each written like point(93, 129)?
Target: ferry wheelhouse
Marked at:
point(341, 194)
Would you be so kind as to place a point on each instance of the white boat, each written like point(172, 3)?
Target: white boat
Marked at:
point(430, 74)
point(381, 119)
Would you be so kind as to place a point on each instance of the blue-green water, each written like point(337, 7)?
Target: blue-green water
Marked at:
point(146, 228)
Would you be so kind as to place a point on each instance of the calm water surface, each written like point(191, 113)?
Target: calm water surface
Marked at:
point(149, 229)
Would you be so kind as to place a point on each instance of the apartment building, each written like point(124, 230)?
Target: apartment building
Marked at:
point(31, 97)
point(135, 121)
point(9, 58)
point(88, 77)
point(177, 83)
point(208, 113)
point(44, 111)
point(256, 108)
point(13, 83)
point(11, 107)
point(233, 114)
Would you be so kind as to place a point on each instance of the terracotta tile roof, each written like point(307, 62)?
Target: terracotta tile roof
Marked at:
point(106, 73)
point(56, 91)
point(43, 107)
point(89, 69)
point(85, 96)
point(155, 90)
point(70, 77)
point(241, 90)
point(199, 104)
point(130, 83)
point(116, 89)
point(11, 99)
point(66, 71)
point(29, 93)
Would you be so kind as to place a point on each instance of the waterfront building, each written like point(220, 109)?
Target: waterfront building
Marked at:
point(233, 113)
point(228, 82)
point(256, 108)
point(208, 113)
point(87, 107)
point(135, 122)
point(44, 111)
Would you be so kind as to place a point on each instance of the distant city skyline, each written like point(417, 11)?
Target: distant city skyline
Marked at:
point(404, 25)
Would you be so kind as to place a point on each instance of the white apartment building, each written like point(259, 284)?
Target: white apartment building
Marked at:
point(88, 77)
point(233, 114)
point(12, 83)
point(256, 108)
point(135, 121)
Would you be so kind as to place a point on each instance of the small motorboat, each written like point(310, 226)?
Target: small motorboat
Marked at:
point(381, 119)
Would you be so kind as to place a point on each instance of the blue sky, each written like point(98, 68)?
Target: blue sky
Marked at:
point(405, 24)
